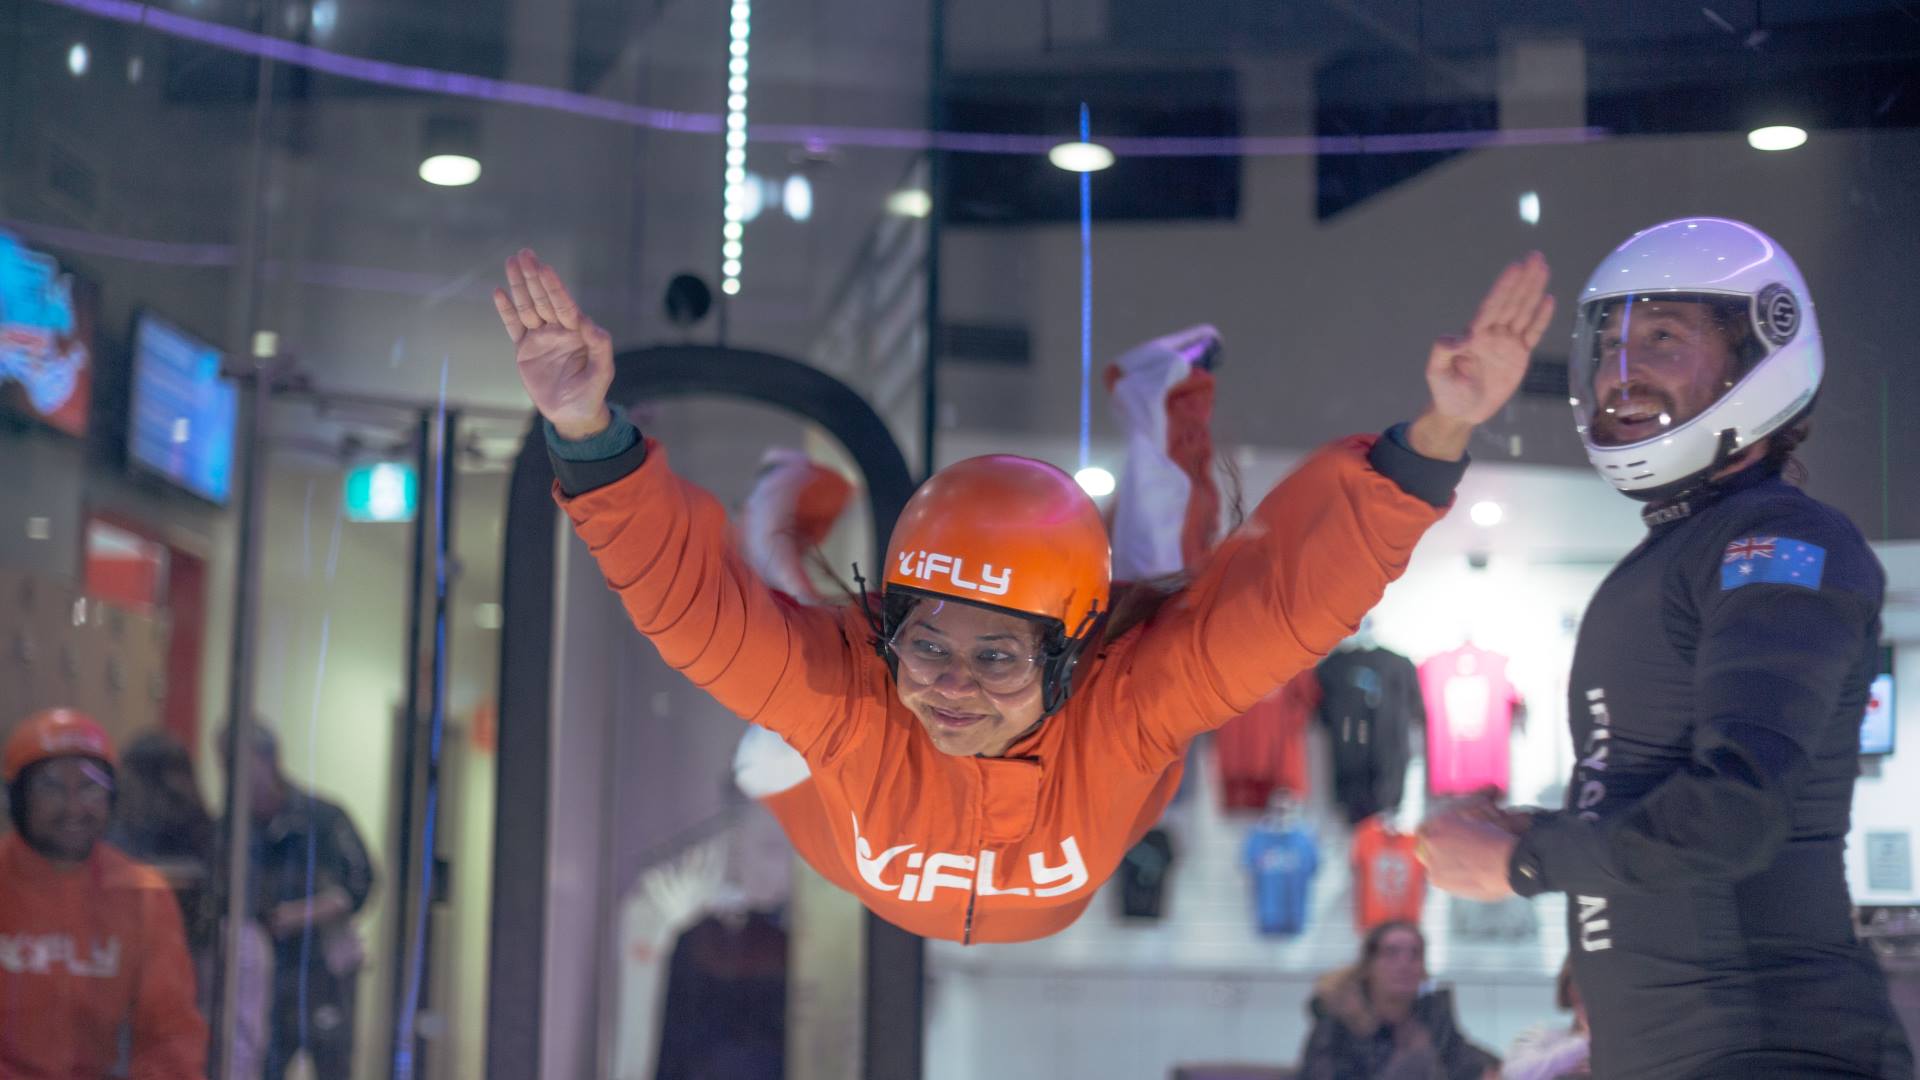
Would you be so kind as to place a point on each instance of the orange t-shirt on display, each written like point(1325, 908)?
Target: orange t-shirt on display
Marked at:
point(1388, 881)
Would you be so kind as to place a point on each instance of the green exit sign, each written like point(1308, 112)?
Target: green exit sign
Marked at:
point(384, 491)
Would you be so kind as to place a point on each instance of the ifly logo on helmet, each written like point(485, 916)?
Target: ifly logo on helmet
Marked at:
point(930, 565)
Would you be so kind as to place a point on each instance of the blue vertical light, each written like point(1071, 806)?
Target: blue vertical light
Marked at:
point(1086, 297)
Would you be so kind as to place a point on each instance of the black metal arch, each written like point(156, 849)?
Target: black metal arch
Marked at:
point(894, 1019)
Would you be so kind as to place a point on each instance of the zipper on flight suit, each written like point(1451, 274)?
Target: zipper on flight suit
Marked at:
point(979, 845)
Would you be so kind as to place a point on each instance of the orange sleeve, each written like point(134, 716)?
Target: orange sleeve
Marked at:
point(169, 1036)
point(1277, 594)
point(664, 545)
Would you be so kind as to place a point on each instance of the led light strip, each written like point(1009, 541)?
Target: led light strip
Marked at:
point(734, 231)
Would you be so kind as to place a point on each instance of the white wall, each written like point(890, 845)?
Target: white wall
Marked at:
point(1885, 799)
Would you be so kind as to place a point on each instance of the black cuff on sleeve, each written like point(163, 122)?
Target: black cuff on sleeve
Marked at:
point(1427, 479)
point(580, 477)
point(1524, 872)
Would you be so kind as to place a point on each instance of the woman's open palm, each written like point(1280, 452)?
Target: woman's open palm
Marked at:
point(565, 359)
point(1472, 375)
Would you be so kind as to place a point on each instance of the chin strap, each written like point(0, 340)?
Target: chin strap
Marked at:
point(1696, 492)
point(874, 620)
point(1704, 491)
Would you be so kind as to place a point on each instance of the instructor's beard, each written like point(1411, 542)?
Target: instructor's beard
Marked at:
point(1610, 430)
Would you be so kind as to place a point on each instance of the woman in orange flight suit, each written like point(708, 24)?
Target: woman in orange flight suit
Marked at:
point(988, 750)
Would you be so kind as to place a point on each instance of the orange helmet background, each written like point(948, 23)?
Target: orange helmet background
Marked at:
point(1006, 531)
point(54, 733)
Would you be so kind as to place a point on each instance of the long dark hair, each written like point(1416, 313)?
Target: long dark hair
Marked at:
point(1780, 454)
point(159, 816)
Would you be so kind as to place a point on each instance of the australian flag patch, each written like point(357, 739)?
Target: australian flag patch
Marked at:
point(1774, 559)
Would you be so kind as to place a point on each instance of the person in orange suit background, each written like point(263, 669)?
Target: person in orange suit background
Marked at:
point(94, 971)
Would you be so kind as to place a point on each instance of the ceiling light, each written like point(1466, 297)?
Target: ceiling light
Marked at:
point(1080, 157)
point(1778, 137)
point(910, 202)
point(1486, 513)
point(1530, 208)
point(451, 151)
point(77, 59)
point(1095, 481)
point(796, 198)
point(450, 170)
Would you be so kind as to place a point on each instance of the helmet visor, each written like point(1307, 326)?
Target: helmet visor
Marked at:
point(1000, 651)
point(1645, 364)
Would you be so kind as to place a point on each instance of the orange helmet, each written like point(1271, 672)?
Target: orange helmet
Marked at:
point(54, 733)
point(1008, 532)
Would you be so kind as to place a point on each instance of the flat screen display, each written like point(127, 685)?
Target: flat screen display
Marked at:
point(182, 415)
point(1876, 731)
point(46, 338)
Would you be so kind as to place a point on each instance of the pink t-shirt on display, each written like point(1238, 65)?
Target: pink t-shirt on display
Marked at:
point(1469, 720)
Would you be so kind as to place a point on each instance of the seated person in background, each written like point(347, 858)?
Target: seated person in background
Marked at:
point(1372, 1020)
point(1552, 1052)
point(93, 961)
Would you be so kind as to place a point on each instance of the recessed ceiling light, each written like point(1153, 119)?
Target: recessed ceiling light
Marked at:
point(1081, 157)
point(1779, 137)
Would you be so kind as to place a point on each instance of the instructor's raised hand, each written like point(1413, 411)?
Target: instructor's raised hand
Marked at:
point(565, 359)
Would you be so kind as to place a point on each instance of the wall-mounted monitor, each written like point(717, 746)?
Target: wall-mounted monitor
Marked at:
point(1876, 729)
point(46, 338)
point(181, 421)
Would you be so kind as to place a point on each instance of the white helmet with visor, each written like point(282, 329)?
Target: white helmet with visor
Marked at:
point(1693, 340)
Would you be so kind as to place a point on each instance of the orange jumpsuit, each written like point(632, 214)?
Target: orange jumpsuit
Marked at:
point(1009, 848)
point(90, 957)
